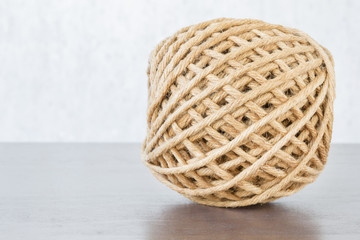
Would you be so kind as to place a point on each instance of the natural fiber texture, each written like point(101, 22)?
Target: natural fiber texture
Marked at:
point(240, 111)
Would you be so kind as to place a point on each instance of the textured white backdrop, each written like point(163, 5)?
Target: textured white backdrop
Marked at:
point(76, 70)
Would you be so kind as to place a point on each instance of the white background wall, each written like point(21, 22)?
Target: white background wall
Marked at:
point(76, 70)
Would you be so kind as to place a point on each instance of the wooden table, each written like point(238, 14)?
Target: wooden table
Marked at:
point(102, 191)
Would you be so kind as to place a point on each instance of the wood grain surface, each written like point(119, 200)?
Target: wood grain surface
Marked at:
point(102, 191)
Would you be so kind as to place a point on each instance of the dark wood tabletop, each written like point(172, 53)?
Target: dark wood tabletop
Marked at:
point(103, 191)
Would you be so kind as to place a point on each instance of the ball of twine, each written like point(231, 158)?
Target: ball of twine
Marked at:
point(240, 111)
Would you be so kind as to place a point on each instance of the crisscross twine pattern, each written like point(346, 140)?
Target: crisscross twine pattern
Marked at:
point(240, 111)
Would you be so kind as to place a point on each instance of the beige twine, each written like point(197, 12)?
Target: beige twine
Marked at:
point(240, 111)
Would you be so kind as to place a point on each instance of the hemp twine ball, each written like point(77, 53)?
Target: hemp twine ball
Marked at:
point(240, 112)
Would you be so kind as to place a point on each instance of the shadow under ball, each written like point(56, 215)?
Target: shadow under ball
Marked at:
point(240, 112)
